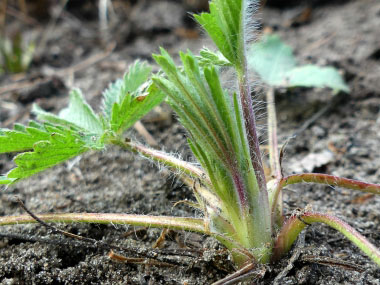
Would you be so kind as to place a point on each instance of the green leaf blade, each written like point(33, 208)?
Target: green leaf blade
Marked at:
point(128, 100)
point(20, 140)
point(210, 24)
point(81, 114)
point(134, 106)
point(5, 180)
point(51, 118)
point(44, 146)
point(271, 59)
point(138, 74)
point(276, 65)
point(315, 76)
point(207, 57)
point(111, 96)
point(60, 146)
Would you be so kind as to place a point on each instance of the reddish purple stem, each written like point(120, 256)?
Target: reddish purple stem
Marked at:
point(331, 180)
point(297, 222)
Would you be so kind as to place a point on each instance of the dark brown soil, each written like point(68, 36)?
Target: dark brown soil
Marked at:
point(343, 141)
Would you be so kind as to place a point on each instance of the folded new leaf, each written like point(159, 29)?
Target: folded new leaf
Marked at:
point(225, 27)
point(127, 100)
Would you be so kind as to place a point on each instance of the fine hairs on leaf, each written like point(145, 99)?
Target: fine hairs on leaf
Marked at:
point(242, 208)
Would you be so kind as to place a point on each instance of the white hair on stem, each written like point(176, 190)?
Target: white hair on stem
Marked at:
point(250, 23)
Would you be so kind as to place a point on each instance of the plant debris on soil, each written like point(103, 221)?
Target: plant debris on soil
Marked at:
point(73, 51)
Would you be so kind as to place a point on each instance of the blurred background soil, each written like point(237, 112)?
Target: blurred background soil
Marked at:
point(79, 44)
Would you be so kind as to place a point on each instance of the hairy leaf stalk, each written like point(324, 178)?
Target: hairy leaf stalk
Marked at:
point(320, 178)
point(295, 224)
point(165, 159)
point(178, 223)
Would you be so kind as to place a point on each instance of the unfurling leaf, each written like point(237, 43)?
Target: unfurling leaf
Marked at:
point(138, 74)
point(225, 26)
point(127, 100)
point(207, 57)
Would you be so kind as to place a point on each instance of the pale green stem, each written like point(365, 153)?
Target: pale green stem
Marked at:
point(295, 224)
point(165, 159)
point(175, 223)
point(274, 157)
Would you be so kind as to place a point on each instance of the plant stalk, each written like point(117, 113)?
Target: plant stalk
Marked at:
point(250, 124)
point(165, 159)
point(296, 223)
point(331, 180)
point(259, 211)
point(274, 157)
point(326, 179)
point(175, 223)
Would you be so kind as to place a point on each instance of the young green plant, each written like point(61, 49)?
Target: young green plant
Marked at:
point(241, 209)
point(16, 54)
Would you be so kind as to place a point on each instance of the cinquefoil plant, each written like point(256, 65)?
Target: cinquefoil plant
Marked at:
point(241, 208)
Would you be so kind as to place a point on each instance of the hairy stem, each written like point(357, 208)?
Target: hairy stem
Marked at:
point(296, 223)
point(245, 95)
point(323, 179)
point(165, 159)
point(175, 223)
point(259, 210)
point(331, 180)
point(250, 124)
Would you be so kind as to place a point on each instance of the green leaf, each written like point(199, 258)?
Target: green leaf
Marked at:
point(138, 74)
point(128, 100)
point(5, 180)
point(208, 113)
point(224, 24)
point(21, 138)
point(207, 57)
point(78, 115)
point(60, 145)
point(138, 105)
point(315, 76)
point(111, 96)
point(81, 114)
point(276, 65)
point(218, 139)
point(52, 118)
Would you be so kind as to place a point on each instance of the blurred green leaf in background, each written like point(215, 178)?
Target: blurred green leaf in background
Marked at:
point(276, 65)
